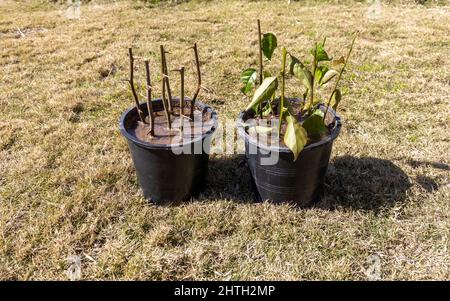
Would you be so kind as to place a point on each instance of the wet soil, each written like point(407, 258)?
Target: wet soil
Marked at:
point(182, 130)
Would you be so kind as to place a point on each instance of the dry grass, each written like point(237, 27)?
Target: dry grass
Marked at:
point(67, 184)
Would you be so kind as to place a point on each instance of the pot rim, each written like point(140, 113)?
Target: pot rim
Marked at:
point(328, 139)
point(148, 145)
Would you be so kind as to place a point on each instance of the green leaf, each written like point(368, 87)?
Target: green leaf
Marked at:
point(315, 125)
point(299, 71)
point(264, 91)
point(321, 54)
point(269, 43)
point(263, 130)
point(248, 77)
point(267, 109)
point(307, 106)
point(295, 136)
point(329, 75)
point(319, 74)
point(336, 99)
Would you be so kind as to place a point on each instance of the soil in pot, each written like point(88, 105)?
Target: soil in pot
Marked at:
point(182, 128)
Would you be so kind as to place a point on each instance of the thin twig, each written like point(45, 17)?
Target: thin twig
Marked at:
point(182, 91)
point(283, 76)
point(199, 82)
point(151, 115)
point(182, 98)
point(164, 100)
point(131, 81)
point(181, 70)
point(260, 61)
point(314, 67)
point(340, 75)
point(166, 72)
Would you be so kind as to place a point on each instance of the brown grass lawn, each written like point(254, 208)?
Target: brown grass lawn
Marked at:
point(68, 187)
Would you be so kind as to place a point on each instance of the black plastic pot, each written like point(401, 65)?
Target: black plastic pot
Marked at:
point(165, 176)
point(299, 182)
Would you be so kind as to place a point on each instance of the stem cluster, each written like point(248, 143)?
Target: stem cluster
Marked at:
point(167, 98)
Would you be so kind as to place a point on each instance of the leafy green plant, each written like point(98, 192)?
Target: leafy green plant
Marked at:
point(316, 77)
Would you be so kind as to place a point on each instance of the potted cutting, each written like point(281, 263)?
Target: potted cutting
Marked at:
point(168, 137)
point(288, 140)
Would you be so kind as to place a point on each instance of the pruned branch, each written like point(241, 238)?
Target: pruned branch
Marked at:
point(260, 60)
point(151, 115)
point(166, 72)
point(199, 82)
point(181, 70)
point(182, 98)
point(164, 100)
point(131, 81)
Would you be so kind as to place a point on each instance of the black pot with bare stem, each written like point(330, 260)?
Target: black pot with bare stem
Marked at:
point(169, 137)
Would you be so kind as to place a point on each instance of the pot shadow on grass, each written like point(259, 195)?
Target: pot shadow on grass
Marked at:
point(228, 178)
point(365, 183)
point(427, 182)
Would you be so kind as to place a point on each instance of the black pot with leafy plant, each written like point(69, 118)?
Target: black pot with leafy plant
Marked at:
point(169, 138)
point(288, 141)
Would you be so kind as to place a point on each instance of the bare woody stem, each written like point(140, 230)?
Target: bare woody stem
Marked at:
point(199, 82)
point(151, 115)
point(340, 76)
point(283, 75)
point(182, 91)
point(182, 98)
point(181, 70)
point(166, 72)
point(131, 81)
point(164, 100)
point(314, 67)
point(260, 61)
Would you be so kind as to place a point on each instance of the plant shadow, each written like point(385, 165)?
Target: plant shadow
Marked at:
point(427, 182)
point(365, 183)
point(228, 178)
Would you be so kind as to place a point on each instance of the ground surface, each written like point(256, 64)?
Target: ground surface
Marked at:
point(68, 187)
